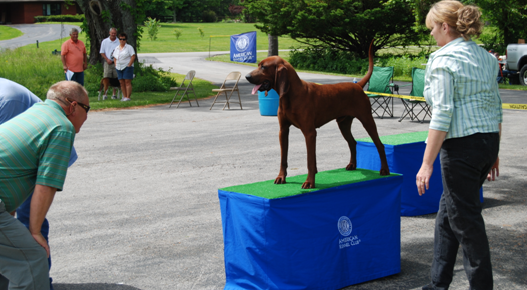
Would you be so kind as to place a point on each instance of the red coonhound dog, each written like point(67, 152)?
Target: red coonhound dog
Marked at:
point(309, 106)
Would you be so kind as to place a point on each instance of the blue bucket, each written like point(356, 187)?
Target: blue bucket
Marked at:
point(269, 104)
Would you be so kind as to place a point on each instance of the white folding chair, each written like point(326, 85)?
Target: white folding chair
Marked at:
point(185, 89)
point(233, 76)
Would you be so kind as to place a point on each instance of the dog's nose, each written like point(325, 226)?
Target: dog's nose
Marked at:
point(249, 77)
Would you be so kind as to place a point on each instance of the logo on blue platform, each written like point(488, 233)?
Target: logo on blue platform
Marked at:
point(344, 226)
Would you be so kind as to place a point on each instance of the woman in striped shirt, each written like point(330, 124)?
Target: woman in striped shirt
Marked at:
point(466, 121)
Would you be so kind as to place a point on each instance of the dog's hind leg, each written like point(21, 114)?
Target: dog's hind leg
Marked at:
point(345, 128)
point(369, 124)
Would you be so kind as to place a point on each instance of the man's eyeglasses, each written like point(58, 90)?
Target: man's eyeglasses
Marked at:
point(122, 38)
point(85, 107)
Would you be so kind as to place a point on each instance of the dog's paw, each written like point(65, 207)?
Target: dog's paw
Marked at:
point(385, 171)
point(308, 185)
point(351, 166)
point(279, 180)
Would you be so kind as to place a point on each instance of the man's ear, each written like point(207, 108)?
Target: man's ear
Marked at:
point(281, 83)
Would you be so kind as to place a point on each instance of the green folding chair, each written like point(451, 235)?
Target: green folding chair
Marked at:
point(381, 81)
point(411, 105)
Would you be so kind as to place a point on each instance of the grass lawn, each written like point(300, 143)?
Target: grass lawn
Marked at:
point(7, 32)
point(191, 41)
point(202, 88)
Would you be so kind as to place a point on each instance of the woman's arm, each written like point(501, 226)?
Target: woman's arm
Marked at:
point(435, 140)
point(132, 59)
point(495, 169)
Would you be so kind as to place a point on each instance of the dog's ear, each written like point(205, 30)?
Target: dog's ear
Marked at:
point(281, 81)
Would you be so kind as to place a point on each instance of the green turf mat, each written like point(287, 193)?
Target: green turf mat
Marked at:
point(326, 179)
point(399, 139)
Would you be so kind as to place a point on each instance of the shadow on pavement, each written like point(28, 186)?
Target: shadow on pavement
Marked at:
point(93, 286)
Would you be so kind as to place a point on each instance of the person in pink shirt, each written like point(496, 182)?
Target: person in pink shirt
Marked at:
point(74, 57)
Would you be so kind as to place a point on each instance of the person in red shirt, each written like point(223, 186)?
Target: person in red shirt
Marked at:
point(74, 58)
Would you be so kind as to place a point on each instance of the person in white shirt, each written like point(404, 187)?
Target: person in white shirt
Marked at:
point(107, 47)
point(124, 57)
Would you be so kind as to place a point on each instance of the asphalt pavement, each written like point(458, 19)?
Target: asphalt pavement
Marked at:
point(40, 32)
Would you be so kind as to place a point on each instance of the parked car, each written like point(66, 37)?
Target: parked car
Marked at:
point(517, 61)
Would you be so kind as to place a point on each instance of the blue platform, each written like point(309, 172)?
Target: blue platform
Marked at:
point(404, 153)
point(342, 233)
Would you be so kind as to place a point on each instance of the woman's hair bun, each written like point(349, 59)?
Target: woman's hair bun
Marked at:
point(468, 21)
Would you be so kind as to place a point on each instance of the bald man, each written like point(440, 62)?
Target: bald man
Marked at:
point(35, 148)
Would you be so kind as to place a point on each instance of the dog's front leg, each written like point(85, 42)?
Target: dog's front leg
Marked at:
point(311, 141)
point(284, 147)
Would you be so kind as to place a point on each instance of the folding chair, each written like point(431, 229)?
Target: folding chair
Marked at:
point(233, 76)
point(418, 85)
point(381, 81)
point(189, 88)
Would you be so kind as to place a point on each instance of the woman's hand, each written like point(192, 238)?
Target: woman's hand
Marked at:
point(494, 170)
point(422, 179)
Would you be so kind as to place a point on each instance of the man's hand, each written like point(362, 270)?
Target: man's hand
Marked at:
point(41, 241)
point(40, 203)
point(108, 61)
point(65, 68)
point(85, 66)
point(494, 170)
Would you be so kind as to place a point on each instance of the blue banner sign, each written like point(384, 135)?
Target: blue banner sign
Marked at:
point(243, 47)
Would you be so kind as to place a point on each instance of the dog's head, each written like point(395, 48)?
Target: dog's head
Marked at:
point(270, 74)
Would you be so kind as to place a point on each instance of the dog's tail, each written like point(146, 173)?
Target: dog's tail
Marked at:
point(366, 78)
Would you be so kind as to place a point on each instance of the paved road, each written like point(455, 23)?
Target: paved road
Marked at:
point(40, 32)
point(140, 208)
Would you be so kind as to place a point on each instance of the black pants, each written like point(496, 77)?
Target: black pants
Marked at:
point(465, 163)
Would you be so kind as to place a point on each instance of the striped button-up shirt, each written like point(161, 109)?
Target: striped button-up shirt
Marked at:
point(35, 148)
point(461, 87)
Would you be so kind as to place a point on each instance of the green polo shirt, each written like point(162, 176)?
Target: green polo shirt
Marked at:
point(35, 147)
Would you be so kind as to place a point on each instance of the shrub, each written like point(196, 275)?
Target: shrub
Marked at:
point(60, 18)
point(209, 16)
point(152, 28)
point(177, 33)
point(149, 79)
point(331, 60)
point(201, 32)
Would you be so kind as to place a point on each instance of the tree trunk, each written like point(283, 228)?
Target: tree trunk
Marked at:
point(101, 16)
point(273, 45)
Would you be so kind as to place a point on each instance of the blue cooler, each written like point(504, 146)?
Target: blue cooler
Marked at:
point(269, 104)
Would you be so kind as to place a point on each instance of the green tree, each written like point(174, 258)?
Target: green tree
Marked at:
point(347, 25)
point(508, 16)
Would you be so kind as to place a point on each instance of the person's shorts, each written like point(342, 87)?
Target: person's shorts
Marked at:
point(109, 71)
point(126, 74)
